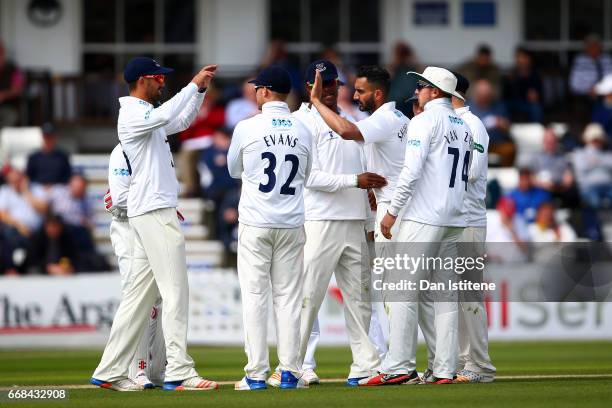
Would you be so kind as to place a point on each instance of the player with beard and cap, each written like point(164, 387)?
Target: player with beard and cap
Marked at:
point(336, 213)
point(160, 268)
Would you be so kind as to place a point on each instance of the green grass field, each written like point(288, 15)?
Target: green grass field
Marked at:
point(571, 374)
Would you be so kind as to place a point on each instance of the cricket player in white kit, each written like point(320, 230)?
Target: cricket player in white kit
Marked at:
point(432, 187)
point(152, 201)
point(383, 135)
point(272, 154)
point(147, 367)
point(337, 210)
point(474, 361)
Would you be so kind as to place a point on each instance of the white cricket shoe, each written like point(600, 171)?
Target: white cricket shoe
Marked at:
point(142, 379)
point(196, 383)
point(125, 384)
point(247, 384)
point(275, 379)
point(310, 377)
point(467, 376)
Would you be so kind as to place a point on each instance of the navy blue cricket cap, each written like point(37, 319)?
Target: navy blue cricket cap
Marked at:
point(141, 66)
point(329, 72)
point(462, 83)
point(275, 78)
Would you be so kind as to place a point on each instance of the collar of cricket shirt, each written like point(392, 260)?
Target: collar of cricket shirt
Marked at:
point(275, 107)
point(446, 102)
point(132, 100)
point(387, 106)
point(462, 110)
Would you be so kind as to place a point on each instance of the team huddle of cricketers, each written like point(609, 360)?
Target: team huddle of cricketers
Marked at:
point(317, 185)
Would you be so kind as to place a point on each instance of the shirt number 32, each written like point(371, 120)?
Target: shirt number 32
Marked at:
point(286, 188)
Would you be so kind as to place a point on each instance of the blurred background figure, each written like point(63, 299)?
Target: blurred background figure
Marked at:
point(507, 234)
point(70, 203)
point(50, 165)
point(402, 86)
point(523, 89)
point(215, 180)
point(197, 137)
point(22, 208)
point(494, 116)
point(482, 66)
point(593, 167)
point(527, 197)
point(546, 229)
point(589, 67)
point(242, 107)
point(228, 225)
point(602, 113)
point(553, 172)
point(12, 84)
point(52, 251)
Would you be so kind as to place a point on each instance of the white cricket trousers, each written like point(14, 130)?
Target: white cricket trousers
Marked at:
point(431, 241)
point(473, 331)
point(335, 247)
point(270, 259)
point(158, 269)
point(150, 354)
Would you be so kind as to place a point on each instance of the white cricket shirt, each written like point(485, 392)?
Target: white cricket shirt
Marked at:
point(475, 205)
point(272, 154)
point(331, 191)
point(384, 135)
point(118, 178)
point(434, 178)
point(143, 131)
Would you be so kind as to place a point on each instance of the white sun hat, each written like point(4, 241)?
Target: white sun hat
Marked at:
point(441, 78)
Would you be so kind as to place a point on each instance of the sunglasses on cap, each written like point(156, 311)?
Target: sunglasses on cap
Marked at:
point(421, 84)
point(262, 86)
point(161, 78)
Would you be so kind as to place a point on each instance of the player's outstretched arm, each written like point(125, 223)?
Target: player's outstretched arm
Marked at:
point(186, 117)
point(346, 129)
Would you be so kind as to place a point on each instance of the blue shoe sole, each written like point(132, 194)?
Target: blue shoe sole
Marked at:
point(171, 386)
point(354, 382)
point(100, 383)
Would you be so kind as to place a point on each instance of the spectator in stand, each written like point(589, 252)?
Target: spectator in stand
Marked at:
point(52, 250)
point(228, 224)
point(546, 229)
point(553, 172)
point(481, 66)
point(214, 175)
point(70, 203)
point(22, 208)
point(527, 197)
point(12, 83)
point(495, 118)
point(402, 86)
point(50, 165)
point(523, 89)
point(241, 108)
point(593, 167)
point(509, 232)
point(197, 138)
point(603, 110)
point(589, 67)
point(277, 54)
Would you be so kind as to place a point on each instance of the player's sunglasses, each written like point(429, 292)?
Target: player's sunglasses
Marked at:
point(420, 85)
point(158, 77)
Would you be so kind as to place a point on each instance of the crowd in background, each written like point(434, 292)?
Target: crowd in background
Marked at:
point(44, 214)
